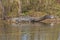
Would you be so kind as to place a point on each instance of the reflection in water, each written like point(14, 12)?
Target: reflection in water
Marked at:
point(59, 36)
point(30, 31)
point(25, 36)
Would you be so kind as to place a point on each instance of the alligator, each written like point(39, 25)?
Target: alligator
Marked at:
point(32, 19)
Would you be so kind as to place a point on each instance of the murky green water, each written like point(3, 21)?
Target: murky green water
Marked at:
point(29, 31)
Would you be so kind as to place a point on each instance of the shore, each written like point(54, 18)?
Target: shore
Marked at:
point(57, 20)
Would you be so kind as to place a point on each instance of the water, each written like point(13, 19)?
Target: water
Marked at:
point(29, 31)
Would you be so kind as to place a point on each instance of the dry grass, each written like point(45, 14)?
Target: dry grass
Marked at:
point(35, 13)
point(57, 20)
